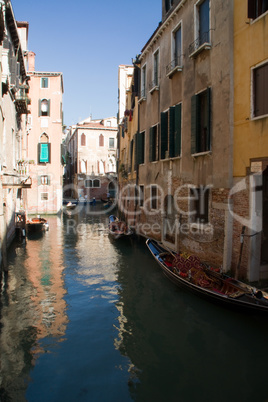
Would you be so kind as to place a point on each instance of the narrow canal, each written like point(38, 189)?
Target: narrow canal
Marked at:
point(87, 318)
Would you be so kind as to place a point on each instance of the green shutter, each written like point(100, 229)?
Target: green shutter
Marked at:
point(177, 130)
point(194, 124)
point(164, 135)
point(39, 107)
point(135, 144)
point(172, 132)
point(151, 145)
point(39, 180)
point(140, 137)
point(48, 180)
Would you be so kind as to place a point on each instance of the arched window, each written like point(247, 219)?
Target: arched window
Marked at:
point(83, 140)
point(44, 149)
point(44, 138)
point(96, 183)
point(101, 140)
point(44, 107)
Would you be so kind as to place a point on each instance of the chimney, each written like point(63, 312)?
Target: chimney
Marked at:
point(31, 61)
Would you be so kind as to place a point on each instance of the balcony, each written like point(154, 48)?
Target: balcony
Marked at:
point(154, 86)
point(11, 180)
point(142, 95)
point(174, 66)
point(200, 44)
point(21, 100)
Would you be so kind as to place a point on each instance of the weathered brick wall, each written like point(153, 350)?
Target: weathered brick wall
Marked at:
point(240, 208)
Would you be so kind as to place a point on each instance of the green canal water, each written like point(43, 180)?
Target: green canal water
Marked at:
point(87, 318)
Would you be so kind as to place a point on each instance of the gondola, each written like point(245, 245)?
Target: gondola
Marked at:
point(37, 224)
point(118, 229)
point(188, 272)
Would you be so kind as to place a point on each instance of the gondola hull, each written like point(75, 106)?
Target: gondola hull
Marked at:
point(246, 298)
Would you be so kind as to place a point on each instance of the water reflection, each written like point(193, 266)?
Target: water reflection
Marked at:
point(32, 307)
point(87, 318)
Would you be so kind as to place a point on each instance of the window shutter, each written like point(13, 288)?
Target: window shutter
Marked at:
point(39, 107)
point(208, 145)
point(164, 134)
point(135, 138)
point(252, 9)
point(39, 180)
point(48, 107)
point(48, 180)
point(194, 124)
point(172, 132)
point(140, 148)
point(177, 132)
point(13, 70)
point(151, 145)
point(131, 155)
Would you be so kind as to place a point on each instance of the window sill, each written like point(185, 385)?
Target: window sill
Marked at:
point(258, 18)
point(155, 88)
point(174, 71)
point(142, 99)
point(209, 153)
point(204, 46)
point(264, 116)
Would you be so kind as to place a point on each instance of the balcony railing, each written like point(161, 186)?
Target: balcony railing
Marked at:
point(22, 101)
point(154, 85)
point(174, 65)
point(202, 42)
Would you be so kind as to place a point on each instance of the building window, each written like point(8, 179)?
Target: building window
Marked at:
point(168, 4)
point(44, 180)
point(44, 196)
point(44, 82)
point(92, 183)
point(44, 107)
point(176, 52)
point(260, 91)
point(153, 197)
point(174, 147)
point(44, 149)
point(170, 146)
point(200, 122)
point(153, 144)
point(143, 82)
point(111, 143)
point(140, 147)
point(83, 140)
point(155, 82)
point(256, 8)
point(202, 27)
point(101, 140)
point(199, 204)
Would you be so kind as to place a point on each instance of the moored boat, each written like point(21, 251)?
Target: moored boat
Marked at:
point(118, 228)
point(36, 224)
point(188, 272)
point(71, 205)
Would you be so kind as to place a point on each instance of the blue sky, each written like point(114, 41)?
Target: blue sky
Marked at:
point(87, 40)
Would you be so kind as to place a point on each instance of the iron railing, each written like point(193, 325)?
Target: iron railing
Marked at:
point(174, 64)
point(201, 40)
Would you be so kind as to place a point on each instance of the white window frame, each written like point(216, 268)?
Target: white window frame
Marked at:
point(155, 85)
point(205, 45)
point(143, 82)
point(41, 82)
point(253, 117)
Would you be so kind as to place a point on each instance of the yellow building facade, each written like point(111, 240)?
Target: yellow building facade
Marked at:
point(250, 151)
